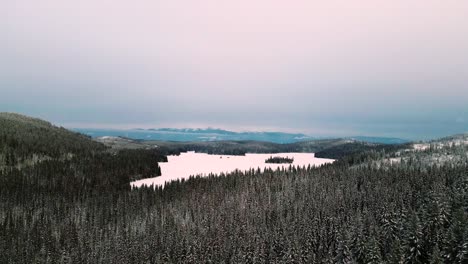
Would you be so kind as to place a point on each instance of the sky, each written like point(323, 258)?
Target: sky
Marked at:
point(321, 67)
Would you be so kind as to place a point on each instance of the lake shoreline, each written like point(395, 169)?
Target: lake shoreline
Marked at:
point(189, 164)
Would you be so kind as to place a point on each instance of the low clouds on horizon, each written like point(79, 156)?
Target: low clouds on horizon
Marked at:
point(328, 68)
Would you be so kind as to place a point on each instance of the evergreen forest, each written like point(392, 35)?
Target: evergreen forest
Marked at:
point(65, 198)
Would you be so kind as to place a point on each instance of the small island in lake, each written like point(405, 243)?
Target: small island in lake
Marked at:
point(279, 160)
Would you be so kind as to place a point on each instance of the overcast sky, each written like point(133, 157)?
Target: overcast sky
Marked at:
point(327, 68)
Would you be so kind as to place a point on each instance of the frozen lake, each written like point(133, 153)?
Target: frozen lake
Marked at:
point(191, 163)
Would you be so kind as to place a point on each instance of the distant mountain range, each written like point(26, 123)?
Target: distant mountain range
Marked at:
point(214, 134)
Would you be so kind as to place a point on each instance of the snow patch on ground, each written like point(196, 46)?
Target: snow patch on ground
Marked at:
point(112, 139)
point(421, 147)
point(394, 160)
point(439, 145)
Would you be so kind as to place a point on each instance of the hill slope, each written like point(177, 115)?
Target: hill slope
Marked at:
point(26, 142)
point(41, 136)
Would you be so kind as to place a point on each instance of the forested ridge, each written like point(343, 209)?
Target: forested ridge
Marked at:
point(76, 206)
point(326, 148)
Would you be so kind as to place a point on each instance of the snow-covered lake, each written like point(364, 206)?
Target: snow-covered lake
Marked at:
point(191, 163)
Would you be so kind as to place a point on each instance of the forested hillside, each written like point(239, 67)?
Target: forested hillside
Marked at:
point(46, 155)
point(25, 140)
point(324, 148)
point(82, 210)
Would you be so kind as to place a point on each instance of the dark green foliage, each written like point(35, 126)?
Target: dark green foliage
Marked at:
point(23, 136)
point(357, 151)
point(276, 216)
point(278, 160)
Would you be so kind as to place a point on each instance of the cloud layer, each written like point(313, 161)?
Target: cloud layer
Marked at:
point(394, 68)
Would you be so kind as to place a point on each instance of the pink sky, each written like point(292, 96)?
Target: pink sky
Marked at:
point(213, 61)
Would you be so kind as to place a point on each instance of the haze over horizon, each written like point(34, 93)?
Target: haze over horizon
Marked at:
point(323, 68)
